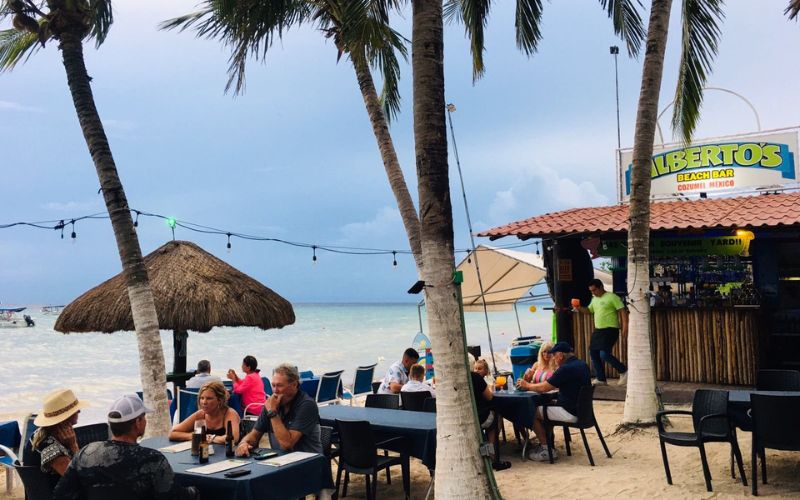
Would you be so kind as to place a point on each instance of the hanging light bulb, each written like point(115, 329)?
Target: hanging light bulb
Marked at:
point(314, 255)
point(73, 235)
point(394, 259)
point(60, 226)
point(136, 220)
point(538, 253)
point(229, 243)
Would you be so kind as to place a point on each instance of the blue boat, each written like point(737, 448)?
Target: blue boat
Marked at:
point(10, 319)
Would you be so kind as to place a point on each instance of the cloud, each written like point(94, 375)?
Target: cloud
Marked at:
point(73, 206)
point(15, 106)
point(386, 225)
point(119, 125)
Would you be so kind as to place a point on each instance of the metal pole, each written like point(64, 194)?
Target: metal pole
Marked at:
point(450, 109)
point(615, 52)
point(516, 313)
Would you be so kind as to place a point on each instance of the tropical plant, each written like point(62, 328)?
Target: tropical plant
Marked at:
point(360, 31)
point(793, 9)
point(70, 23)
point(700, 35)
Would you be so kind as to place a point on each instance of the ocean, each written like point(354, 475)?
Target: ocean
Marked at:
point(325, 337)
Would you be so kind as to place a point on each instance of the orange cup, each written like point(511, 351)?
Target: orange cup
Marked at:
point(576, 303)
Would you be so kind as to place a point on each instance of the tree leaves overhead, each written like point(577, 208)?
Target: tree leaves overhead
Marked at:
point(700, 41)
point(16, 46)
point(793, 9)
point(627, 21)
point(527, 21)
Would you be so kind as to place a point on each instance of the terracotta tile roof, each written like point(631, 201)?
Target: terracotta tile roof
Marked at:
point(773, 210)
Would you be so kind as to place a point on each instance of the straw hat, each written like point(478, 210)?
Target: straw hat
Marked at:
point(58, 406)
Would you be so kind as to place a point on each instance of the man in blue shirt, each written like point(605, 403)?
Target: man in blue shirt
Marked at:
point(571, 375)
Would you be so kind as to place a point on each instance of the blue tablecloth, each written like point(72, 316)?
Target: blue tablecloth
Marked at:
point(264, 482)
point(419, 428)
point(739, 406)
point(518, 406)
point(9, 434)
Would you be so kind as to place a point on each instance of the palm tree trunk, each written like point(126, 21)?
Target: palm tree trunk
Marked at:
point(405, 204)
point(641, 403)
point(462, 471)
point(143, 310)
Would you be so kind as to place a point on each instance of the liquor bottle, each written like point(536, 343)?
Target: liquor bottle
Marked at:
point(203, 446)
point(229, 440)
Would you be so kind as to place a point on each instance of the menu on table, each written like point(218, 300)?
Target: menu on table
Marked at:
point(176, 448)
point(287, 459)
point(218, 466)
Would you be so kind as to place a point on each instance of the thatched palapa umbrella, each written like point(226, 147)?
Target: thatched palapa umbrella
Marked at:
point(192, 289)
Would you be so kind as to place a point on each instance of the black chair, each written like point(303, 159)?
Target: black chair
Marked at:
point(586, 420)
point(429, 405)
point(245, 426)
point(376, 386)
point(86, 434)
point(711, 425)
point(414, 401)
point(775, 427)
point(359, 455)
point(387, 401)
point(778, 380)
point(105, 492)
point(38, 485)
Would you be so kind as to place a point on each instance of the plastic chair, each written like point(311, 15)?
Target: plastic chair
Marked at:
point(387, 401)
point(28, 428)
point(306, 374)
point(187, 403)
point(775, 427)
point(362, 383)
point(86, 434)
point(778, 380)
point(429, 405)
point(328, 388)
point(711, 425)
point(7, 459)
point(359, 455)
point(38, 485)
point(414, 401)
point(267, 386)
point(586, 420)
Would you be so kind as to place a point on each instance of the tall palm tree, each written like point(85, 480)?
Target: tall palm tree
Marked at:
point(360, 31)
point(793, 9)
point(700, 35)
point(70, 23)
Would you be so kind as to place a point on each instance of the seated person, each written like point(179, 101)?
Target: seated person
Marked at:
point(202, 375)
point(416, 382)
point(571, 375)
point(250, 387)
point(481, 367)
point(488, 419)
point(121, 462)
point(212, 404)
point(54, 442)
point(542, 369)
point(290, 416)
point(397, 375)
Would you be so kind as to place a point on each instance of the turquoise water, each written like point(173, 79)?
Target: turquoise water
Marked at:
point(325, 337)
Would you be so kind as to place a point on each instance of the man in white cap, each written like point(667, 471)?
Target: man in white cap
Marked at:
point(121, 462)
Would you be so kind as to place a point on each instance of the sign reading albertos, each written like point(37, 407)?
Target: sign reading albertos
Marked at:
point(743, 162)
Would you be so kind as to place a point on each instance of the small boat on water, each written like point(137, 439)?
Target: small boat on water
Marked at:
point(10, 318)
point(52, 309)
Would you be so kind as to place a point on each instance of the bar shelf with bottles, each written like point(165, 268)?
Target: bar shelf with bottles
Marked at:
point(709, 281)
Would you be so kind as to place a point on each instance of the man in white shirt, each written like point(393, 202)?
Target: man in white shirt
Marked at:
point(397, 375)
point(416, 381)
point(202, 375)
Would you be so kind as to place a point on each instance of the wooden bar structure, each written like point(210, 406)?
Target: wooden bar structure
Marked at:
point(699, 345)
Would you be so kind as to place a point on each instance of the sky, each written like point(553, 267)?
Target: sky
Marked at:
point(294, 157)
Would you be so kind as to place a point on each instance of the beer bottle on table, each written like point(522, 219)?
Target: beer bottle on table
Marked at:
point(196, 435)
point(229, 440)
point(203, 446)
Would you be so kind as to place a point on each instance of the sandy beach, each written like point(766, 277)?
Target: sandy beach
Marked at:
point(634, 471)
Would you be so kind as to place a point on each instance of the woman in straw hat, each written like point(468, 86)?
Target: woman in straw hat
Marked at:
point(55, 438)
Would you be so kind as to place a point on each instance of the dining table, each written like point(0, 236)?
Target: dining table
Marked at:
point(519, 407)
point(417, 427)
point(739, 405)
point(294, 480)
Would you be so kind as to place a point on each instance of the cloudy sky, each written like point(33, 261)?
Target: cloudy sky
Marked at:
point(294, 157)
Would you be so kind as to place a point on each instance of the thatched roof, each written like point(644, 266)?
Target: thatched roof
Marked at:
point(193, 290)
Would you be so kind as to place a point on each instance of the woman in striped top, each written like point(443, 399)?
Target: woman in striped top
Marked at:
point(543, 368)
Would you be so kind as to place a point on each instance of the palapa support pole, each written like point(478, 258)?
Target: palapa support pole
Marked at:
point(180, 339)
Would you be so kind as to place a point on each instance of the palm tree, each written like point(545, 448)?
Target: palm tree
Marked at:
point(793, 9)
point(70, 22)
point(699, 46)
point(360, 30)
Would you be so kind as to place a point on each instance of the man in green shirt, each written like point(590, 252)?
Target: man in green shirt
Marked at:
point(609, 314)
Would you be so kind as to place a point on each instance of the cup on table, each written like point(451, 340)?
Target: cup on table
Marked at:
point(500, 382)
point(576, 303)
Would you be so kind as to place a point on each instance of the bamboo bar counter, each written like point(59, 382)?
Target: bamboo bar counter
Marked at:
point(701, 345)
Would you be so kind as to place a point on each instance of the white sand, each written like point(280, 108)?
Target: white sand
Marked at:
point(635, 471)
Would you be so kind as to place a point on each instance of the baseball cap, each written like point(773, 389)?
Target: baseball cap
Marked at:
point(561, 347)
point(129, 407)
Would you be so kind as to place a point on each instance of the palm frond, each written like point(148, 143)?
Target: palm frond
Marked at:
point(102, 18)
point(527, 22)
point(701, 33)
point(16, 46)
point(793, 9)
point(627, 21)
point(248, 28)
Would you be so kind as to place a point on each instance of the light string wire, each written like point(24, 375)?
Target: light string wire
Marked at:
point(60, 224)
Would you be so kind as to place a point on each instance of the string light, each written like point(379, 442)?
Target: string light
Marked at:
point(394, 258)
point(136, 221)
point(172, 222)
point(73, 235)
point(229, 242)
point(60, 225)
point(538, 254)
point(314, 254)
